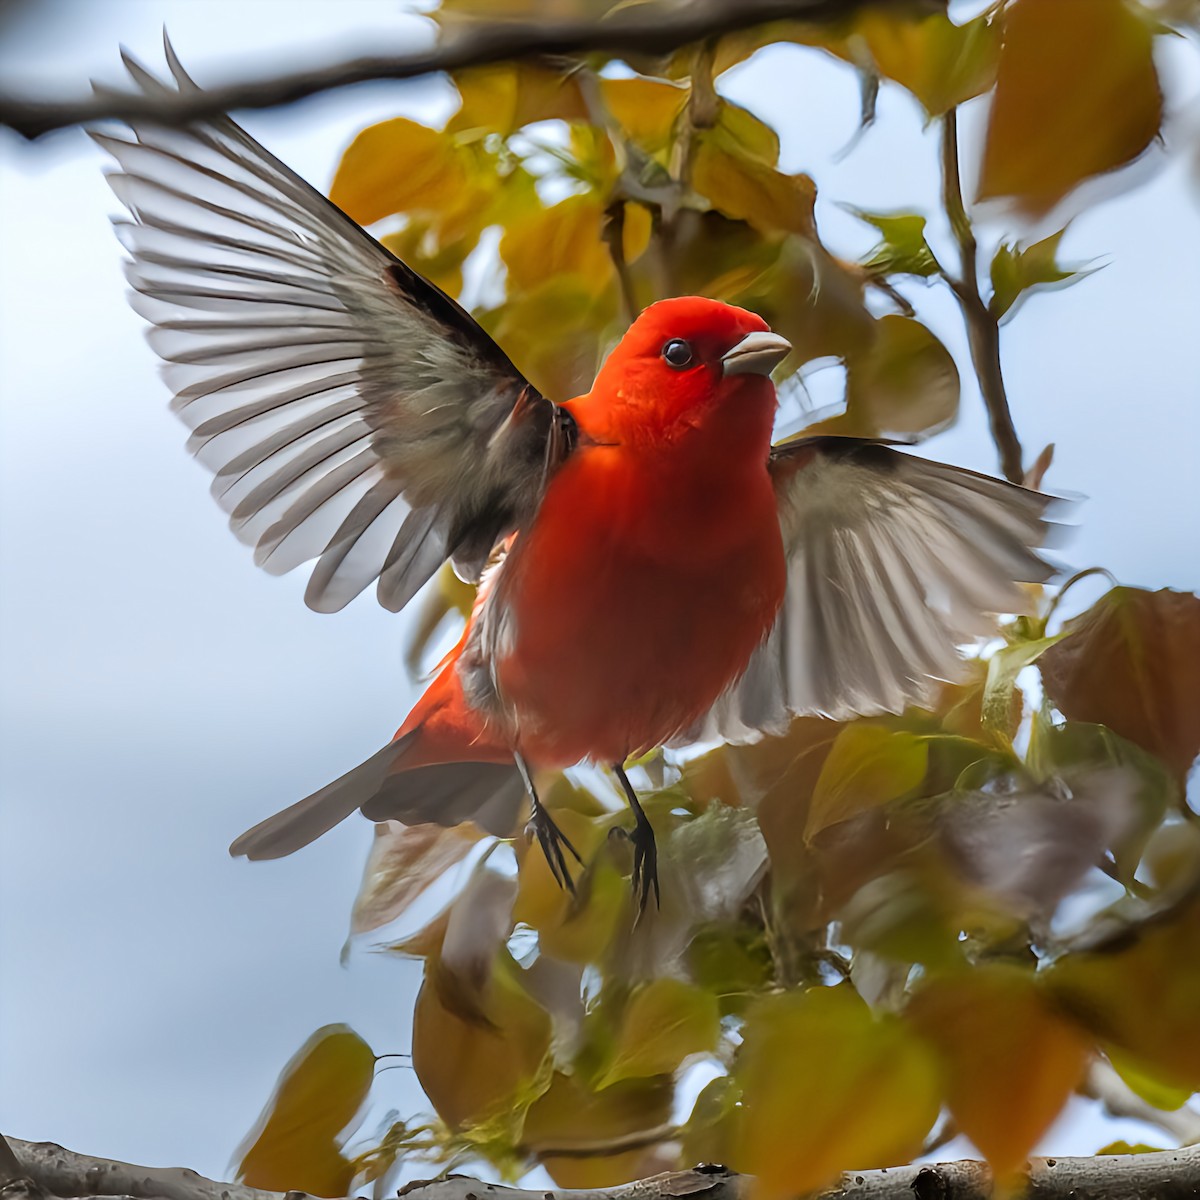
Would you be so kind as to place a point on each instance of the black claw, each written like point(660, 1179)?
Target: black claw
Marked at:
point(549, 836)
point(645, 866)
point(645, 850)
point(552, 840)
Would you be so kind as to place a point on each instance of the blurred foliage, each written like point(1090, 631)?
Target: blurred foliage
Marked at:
point(863, 925)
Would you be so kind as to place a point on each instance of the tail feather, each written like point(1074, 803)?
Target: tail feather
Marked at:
point(308, 819)
point(448, 794)
point(445, 794)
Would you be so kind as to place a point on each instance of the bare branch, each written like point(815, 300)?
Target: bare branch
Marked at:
point(1119, 1100)
point(64, 1173)
point(1169, 1175)
point(983, 331)
point(10, 1166)
point(639, 29)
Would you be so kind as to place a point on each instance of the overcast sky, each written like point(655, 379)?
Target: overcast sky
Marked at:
point(159, 694)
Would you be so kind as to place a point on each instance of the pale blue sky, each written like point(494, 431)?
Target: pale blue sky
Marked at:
point(159, 694)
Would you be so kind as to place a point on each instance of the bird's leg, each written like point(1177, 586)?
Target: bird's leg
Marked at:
point(549, 836)
point(645, 850)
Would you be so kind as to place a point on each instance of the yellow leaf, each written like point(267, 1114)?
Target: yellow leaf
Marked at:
point(474, 1072)
point(1129, 663)
point(739, 182)
point(635, 234)
point(867, 766)
point(646, 109)
point(827, 1087)
point(1076, 95)
point(296, 1145)
point(398, 166)
point(1142, 996)
point(941, 63)
point(1009, 1061)
point(504, 97)
point(565, 239)
point(664, 1021)
point(755, 138)
point(571, 1117)
point(553, 332)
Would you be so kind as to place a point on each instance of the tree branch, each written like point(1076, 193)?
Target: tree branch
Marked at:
point(983, 330)
point(641, 29)
point(1119, 1100)
point(1169, 1175)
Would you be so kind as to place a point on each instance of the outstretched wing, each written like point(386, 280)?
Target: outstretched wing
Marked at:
point(351, 411)
point(893, 562)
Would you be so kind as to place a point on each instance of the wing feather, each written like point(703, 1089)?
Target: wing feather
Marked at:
point(893, 563)
point(350, 411)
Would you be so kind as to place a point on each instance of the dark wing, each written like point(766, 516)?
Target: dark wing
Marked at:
point(351, 411)
point(893, 562)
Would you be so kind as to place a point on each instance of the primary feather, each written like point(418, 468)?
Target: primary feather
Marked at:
point(351, 411)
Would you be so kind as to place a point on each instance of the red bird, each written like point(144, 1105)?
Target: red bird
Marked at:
point(658, 570)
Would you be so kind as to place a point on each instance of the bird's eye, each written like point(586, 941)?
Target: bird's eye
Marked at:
point(677, 353)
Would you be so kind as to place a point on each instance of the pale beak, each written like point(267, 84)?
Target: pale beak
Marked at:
point(756, 354)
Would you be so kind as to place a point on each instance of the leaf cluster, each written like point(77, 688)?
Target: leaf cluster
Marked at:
point(868, 929)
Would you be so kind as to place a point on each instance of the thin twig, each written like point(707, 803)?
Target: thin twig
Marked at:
point(642, 29)
point(614, 238)
point(983, 331)
point(1119, 1100)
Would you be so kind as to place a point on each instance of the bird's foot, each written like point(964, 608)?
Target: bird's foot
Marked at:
point(645, 864)
point(552, 841)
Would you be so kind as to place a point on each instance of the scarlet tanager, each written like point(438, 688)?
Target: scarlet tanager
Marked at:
point(652, 570)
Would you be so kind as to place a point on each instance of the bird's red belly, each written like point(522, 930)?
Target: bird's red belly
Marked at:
point(630, 638)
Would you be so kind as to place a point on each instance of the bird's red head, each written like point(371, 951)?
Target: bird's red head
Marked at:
point(686, 364)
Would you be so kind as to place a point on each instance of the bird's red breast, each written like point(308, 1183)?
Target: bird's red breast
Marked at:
point(653, 568)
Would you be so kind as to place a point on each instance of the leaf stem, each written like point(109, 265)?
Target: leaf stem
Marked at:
point(983, 330)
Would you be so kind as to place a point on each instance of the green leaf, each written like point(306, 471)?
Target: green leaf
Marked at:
point(903, 250)
point(1123, 1147)
point(731, 960)
point(296, 1144)
point(868, 766)
point(1018, 269)
point(665, 1021)
point(903, 382)
point(707, 1134)
point(827, 1087)
point(571, 1118)
point(1003, 668)
point(1143, 1082)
